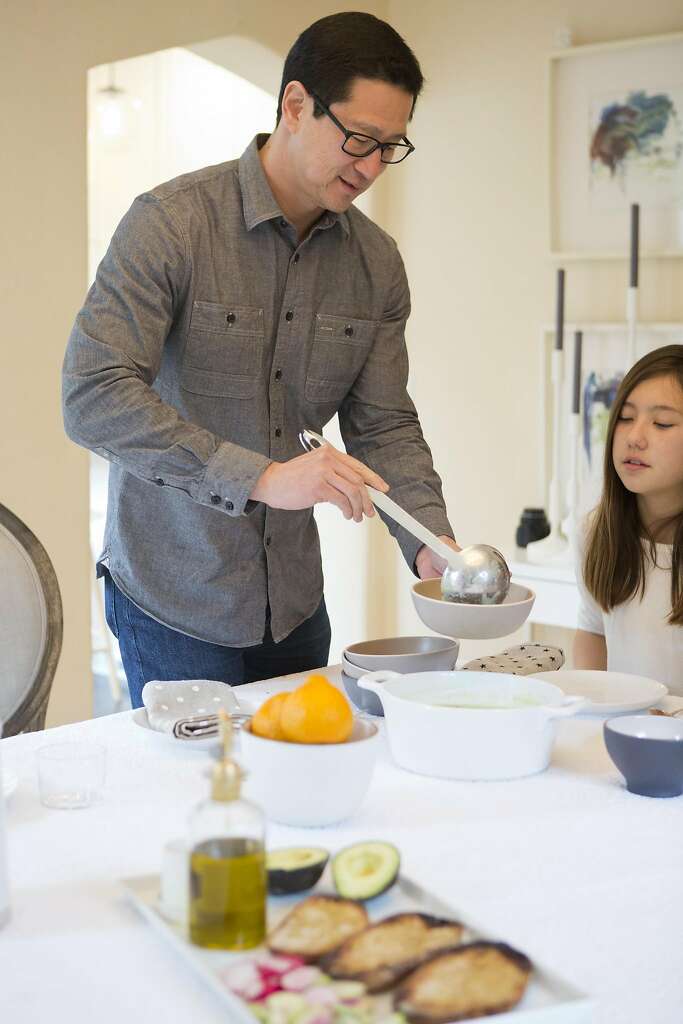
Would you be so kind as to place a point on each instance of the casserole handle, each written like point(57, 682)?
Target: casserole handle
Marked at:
point(373, 680)
point(569, 706)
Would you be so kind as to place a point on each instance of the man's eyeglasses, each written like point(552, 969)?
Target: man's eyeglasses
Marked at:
point(358, 145)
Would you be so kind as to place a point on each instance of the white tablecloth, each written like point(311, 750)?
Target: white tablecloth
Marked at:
point(567, 866)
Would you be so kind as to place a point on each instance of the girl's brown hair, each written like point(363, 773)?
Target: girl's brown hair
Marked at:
point(614, 564)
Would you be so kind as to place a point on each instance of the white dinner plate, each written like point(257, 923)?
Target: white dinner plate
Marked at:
point(10, 781)
point(140, 719)
point(607, 692)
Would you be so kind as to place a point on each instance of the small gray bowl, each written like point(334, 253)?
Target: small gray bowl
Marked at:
point(364, 700)
point(404, 654)
point(648, 751)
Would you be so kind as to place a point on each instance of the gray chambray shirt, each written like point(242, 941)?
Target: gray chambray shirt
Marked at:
point(209, 339)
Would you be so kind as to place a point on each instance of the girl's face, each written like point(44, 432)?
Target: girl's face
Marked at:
point(647, 448)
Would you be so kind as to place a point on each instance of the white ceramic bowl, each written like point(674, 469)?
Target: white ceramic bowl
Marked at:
point(309, 784)
point(471, 621)
point(506, 731)
point(404, 654)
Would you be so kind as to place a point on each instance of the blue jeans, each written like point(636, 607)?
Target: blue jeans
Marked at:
point(150, 650)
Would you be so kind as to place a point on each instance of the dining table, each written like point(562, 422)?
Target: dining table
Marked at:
point(567, 866)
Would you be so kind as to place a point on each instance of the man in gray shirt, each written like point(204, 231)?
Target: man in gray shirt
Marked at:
point(237, 305)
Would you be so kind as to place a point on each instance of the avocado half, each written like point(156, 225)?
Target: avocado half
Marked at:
point(365, 870)
point(294, 868)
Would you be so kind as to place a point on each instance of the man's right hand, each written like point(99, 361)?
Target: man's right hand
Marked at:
point(323, 474)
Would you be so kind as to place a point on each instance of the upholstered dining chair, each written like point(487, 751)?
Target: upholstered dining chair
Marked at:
point(30, 627)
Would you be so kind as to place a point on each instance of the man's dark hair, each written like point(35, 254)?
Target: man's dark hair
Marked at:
point(332, 52)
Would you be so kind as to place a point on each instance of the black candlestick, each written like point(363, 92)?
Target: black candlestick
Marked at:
point(635, 232)
point(559, 311)
point(576, 395)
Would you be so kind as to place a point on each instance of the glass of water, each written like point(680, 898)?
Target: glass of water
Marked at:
point(71, 775)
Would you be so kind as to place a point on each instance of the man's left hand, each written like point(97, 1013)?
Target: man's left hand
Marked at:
point(429, 564)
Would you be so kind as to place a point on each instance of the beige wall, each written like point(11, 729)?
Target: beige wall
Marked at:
point(468, 210)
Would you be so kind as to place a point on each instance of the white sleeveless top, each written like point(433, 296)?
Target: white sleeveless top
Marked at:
point(639, 639)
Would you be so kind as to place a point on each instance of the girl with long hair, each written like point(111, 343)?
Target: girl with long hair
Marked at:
point(630, 571)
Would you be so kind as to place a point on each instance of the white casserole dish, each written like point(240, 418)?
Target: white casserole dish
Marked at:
point(505, 729)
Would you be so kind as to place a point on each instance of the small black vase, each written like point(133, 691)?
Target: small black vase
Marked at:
point(533, 525)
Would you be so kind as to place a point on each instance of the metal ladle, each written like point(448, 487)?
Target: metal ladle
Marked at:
point(476, 575)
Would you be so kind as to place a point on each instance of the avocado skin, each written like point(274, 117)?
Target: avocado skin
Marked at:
point(283, 881)
point(353, 887)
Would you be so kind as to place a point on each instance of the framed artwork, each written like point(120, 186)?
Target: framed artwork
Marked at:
point(603, 365)
point(616, 138)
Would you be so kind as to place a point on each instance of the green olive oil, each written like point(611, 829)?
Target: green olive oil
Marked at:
point(228, 894)
point(227, 876)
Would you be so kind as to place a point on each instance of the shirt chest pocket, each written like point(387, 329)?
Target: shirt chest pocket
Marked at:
point(224, 351)
point(340, 348)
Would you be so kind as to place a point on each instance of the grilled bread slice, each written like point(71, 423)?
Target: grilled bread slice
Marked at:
point(316, 926)
point(383, 952)
point(476, 980)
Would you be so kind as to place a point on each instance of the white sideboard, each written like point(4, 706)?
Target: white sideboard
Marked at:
point(557, 595)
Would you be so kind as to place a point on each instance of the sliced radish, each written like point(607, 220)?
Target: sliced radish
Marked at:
point(301, 978)
point(322, 995)
point(243, 979)
point(277, 964)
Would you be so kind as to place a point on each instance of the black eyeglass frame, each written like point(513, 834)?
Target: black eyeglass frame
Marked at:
point(376, 144)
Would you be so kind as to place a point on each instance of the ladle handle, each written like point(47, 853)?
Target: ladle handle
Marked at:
point(309, 439)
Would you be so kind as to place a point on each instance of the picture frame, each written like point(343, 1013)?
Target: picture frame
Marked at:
point(616, 138)
point(603, 365)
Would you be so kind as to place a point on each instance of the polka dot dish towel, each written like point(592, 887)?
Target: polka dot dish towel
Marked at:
point(519, 661)
point(187, 709)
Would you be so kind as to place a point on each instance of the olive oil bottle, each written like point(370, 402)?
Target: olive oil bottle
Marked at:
point(227, 862)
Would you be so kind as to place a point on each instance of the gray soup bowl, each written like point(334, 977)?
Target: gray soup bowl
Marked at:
point(398, 654)
point(648, 751)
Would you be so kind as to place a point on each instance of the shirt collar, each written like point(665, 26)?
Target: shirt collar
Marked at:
point(259, 203)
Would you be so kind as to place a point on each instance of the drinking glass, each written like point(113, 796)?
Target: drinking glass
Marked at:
point(71, 775)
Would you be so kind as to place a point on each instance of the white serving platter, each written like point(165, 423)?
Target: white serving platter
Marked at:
point(548, 998)
point(608, 693)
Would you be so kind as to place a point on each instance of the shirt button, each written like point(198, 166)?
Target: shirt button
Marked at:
point(283, 222)
point(268, 539)
point(159, 481)
point(229, 505)
point(278, 432)
point(230, 318)
point(289, 315)
point(348, 331)
point(296, 257)
point(215, 499)
point(278, 375)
